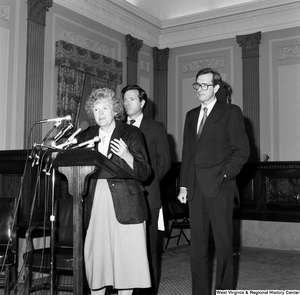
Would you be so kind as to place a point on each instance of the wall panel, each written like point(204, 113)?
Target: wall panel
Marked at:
point(4, 58)
point(182, 96)
point(284, 98)
point(289, 110)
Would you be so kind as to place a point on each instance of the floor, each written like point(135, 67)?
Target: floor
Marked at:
point(255, 269)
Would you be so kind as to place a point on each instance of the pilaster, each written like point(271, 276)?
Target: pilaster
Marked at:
point(36, 23)
point(251, 98)
point(160, 83)
point(133, 47)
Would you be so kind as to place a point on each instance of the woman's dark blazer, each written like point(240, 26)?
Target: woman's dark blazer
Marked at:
point(127, 194)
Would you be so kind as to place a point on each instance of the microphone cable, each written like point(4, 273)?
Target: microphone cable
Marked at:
point(17, 204)
point(37, 186)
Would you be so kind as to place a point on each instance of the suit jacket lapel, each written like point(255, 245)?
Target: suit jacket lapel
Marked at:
point(144, 125)
point(194, 121)
point(212, 117)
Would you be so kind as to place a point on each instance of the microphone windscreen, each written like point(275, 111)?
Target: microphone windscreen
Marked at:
point(96, 139)
point(84, 125)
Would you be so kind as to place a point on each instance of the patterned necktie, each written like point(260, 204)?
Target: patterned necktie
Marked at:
point(202, 122)
point(131, 122)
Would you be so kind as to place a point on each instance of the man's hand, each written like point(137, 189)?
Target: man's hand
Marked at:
point(182, 196)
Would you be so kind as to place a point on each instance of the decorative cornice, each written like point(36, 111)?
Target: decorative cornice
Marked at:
point(264, 20)
point(84, 42)
point(115, 17)
point(199, 28)
point(5, 12)
point(232, 13)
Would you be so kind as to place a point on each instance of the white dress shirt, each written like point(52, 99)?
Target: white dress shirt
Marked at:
point(138, 120)
point(209, 108)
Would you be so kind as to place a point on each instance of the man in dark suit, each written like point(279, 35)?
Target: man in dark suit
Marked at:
point(135, 100)
point(215, 148)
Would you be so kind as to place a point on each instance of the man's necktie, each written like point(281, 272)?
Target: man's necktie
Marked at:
point(131, 122)
point(202, 122)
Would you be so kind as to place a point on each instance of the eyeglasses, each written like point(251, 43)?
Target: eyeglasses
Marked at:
point(203, 86)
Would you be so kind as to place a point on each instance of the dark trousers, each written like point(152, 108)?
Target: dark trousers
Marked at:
point(216, 212)
point(152, 235)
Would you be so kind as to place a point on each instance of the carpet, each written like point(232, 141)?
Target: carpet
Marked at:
point(255, 269)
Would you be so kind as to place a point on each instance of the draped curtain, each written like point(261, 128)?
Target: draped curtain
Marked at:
point(73, 64)
point(69, 92)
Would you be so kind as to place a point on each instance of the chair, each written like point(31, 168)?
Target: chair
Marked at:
point(180, 221)
point(38, 260)
point(8, 244)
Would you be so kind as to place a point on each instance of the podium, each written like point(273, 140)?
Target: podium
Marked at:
point(78, 165)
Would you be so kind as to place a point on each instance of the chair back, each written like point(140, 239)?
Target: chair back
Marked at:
point(7, 207)
point(177, 210)
point(64, 222)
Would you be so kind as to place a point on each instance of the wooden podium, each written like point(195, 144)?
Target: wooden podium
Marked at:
point(78, 165)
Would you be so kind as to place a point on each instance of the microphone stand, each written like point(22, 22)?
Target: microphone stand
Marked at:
point(52, 216)
point(52, 221)
point(36, 157)
point(57, 124)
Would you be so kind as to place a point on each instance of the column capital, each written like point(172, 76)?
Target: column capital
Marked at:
point(161, 57)
point(37, 10)
point(133, 47)
point(250, 44)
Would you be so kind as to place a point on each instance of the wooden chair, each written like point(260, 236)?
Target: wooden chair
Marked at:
point(38, 260)
point(8, 245)
point(180, 221)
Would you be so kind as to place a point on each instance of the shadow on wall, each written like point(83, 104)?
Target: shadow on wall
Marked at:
point(254, 154)
point(224, 93)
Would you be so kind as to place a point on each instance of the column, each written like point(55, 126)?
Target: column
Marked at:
point(133, 47)
point(160, 84)
point(250, 56)
point(35, 68)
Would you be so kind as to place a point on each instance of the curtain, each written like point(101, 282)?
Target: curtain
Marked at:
point(73, 64)
point(69, 92)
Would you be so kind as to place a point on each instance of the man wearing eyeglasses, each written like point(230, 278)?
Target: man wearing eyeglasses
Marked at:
point(215, 148)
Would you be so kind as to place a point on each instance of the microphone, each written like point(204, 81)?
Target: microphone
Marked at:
point(36, 159)
point(83, 126)
point(90, 143)
point(62, 132)
point(65, 118)
point(32, 154)
point(66, 144)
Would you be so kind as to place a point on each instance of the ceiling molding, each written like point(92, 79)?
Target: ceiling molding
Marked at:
point(197, 28)
point(116, 18)
point(264, 20)
point(233, 10)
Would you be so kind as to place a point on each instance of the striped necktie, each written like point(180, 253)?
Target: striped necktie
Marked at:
point(202, 122)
